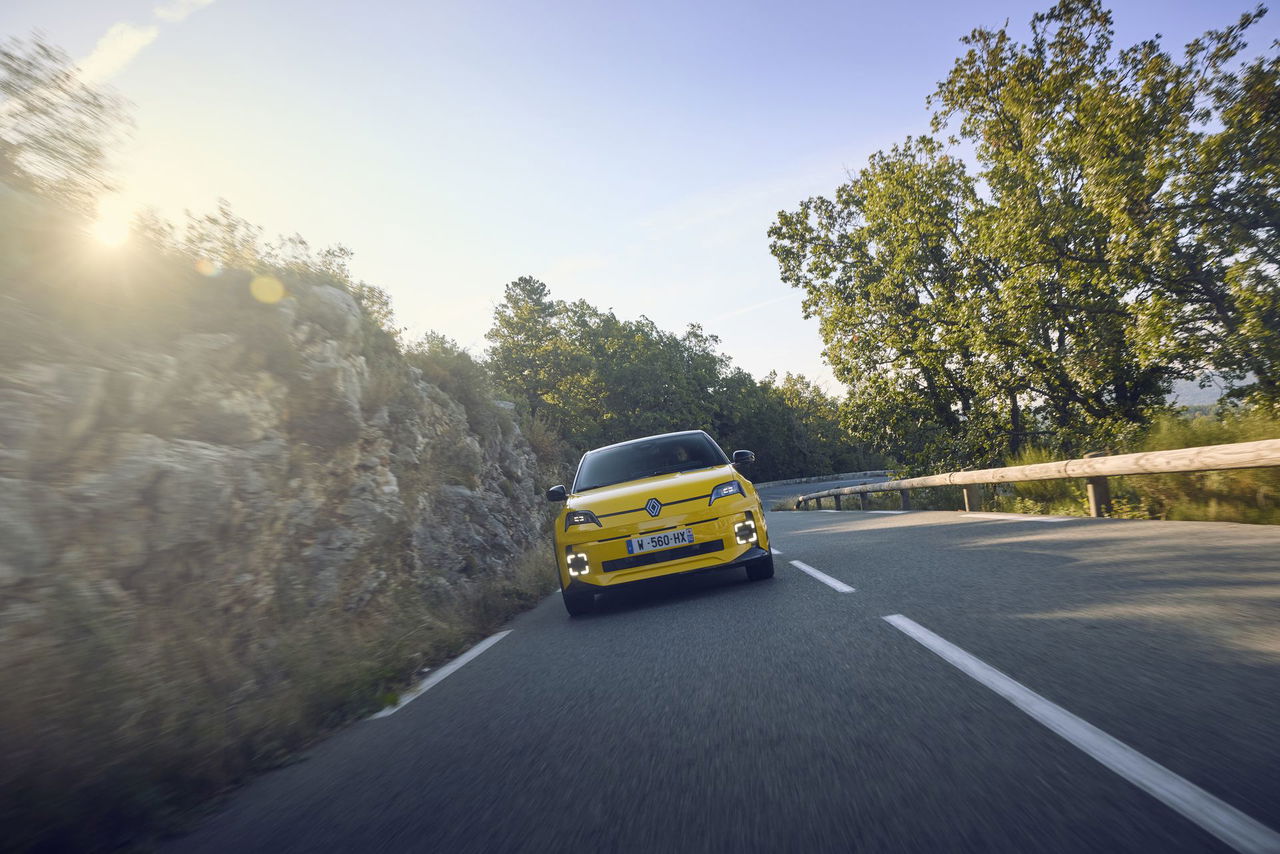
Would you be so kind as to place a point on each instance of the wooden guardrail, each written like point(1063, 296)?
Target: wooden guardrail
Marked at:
point(1094, 468)
point(849, 475)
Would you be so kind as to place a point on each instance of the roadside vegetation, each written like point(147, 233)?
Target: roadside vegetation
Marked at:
point(594, 379)
point(1238, 495)
point(1115, 232)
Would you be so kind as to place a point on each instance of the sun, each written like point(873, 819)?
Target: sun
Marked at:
point(114, 222)
point(110, 231)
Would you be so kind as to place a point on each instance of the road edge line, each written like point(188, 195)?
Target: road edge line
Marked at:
point(439, 675)
point(1216, 816)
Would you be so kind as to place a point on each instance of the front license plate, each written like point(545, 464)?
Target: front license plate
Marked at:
point(665, 540)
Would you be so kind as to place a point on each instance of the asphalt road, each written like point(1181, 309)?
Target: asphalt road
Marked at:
point(770, 495)
point(714, 714)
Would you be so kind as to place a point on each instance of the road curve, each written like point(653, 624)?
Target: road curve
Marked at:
point(709, 713)
point(771, 494)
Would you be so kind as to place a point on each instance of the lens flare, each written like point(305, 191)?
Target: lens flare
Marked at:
point(267, 289)
point(205, 267)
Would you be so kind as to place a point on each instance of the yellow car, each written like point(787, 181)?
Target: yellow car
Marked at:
point(660, 505)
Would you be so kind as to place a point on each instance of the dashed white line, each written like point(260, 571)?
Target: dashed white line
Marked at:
point(835, 584)
point(1218, 817)
point(440, 674)
point(1019, 517)
point(775, 551)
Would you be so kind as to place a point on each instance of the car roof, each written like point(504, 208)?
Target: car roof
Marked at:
point(654, 436)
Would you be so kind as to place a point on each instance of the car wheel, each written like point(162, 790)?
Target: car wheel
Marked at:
point(578, 604)
point(760, 568)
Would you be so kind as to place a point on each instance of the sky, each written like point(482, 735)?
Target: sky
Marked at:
point(630, 154)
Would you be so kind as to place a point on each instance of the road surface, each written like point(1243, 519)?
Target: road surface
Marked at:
point(709, 713)
point(770, 495)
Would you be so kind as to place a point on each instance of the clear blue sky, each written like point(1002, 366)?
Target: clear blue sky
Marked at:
point(632, 154)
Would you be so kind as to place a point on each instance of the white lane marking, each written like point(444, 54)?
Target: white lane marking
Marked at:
point(828, 511)
point(775, 551)
point(838, 586)
point(1019, 517)
point(889, 512)
point(1219, 818)
point(440, 674)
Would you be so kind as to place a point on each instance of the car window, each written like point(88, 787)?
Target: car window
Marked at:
point(634, 460)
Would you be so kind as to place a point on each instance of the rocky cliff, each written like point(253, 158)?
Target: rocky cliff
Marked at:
point(231, 510)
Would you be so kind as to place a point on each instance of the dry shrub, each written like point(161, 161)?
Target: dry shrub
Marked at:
point(1238, 495)
point(125, 720)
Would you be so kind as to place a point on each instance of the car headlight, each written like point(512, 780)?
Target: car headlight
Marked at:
point(580, 517)
point(745, 532)
point(731, 487)
point(577, 562)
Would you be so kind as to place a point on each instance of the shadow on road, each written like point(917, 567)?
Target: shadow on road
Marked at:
point(672, 591)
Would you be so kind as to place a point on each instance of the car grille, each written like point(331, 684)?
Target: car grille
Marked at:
point(663, 556)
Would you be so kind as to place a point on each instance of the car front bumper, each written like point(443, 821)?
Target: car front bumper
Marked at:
point(754, 553)
point(715, 546)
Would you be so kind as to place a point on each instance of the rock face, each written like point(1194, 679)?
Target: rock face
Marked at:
point(114, 470)
point(195, 485)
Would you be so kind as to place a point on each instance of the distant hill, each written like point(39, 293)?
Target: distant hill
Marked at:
point(1189, 393)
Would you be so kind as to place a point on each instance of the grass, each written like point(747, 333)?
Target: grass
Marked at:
point(128, 721)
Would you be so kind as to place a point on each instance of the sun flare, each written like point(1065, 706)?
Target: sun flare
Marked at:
point(110, 232)
point(114, 222)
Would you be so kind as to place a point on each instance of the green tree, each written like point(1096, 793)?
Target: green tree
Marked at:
point(600, 379)
point(887, 268)
point(1132, 199)
point(523, 347)
point(1118, 234)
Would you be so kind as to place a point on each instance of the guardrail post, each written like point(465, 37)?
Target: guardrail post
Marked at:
point(1098, 490)
point(838, 507)
point(972, 498)
point(864, 502)
point(906, 499)
point(1099, 496)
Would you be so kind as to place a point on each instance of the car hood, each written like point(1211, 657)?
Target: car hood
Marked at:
point(667, 488)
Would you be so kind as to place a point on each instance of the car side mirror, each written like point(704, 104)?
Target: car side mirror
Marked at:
point(741, 458)
point(557, 493)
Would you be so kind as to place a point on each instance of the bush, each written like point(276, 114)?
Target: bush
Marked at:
point(1237, 495)
point(453, 370)
point(1039, 497)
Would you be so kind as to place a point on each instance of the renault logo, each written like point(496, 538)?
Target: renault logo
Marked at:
point(653, 507)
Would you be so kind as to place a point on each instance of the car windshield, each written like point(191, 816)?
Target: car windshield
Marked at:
point(646, 458)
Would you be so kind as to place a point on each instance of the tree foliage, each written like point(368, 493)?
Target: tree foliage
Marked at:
point(1118, 233)
point(598, 378)
point(55, 130)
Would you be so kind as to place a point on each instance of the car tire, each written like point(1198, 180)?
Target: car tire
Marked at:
point(760, 568)
point(578, 604)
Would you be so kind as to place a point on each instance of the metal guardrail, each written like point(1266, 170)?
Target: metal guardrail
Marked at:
point(1094, 468)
